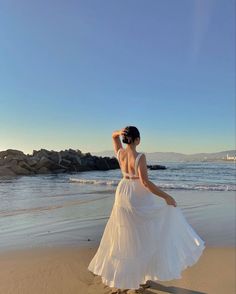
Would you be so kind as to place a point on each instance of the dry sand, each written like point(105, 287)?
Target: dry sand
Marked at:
point(64, 271)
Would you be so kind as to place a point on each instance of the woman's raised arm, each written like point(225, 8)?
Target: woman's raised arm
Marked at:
point(116, 139)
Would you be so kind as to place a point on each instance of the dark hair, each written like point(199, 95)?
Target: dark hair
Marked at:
point(131, 134)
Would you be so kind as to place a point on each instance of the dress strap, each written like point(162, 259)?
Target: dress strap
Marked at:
point(136, 163)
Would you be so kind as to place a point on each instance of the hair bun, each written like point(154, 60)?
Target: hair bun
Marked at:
point(131, 133)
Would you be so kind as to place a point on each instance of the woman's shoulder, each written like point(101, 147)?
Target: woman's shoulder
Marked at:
point(122, 150)
point(141, 156)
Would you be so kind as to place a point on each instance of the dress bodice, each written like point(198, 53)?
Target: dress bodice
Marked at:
point(135, 167)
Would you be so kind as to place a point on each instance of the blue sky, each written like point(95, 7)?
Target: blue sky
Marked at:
point(73, 71)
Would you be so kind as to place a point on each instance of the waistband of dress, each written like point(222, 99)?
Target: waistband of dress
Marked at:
point(127, 178)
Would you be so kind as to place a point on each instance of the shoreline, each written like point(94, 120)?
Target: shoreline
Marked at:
point(80, 221)
point(64, 270)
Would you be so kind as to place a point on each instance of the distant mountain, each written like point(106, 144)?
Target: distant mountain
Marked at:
point(173, 156)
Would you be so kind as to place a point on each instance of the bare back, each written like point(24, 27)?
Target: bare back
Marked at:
point(128, 162)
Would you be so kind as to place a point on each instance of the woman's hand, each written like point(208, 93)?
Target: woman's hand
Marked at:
point(118, 133)
point(123, 132)
point(170, 201)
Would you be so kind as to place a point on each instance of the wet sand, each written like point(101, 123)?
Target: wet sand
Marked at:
point(63, 270)
point(211, 214)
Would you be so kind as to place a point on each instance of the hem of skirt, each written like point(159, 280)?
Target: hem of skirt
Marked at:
point(180, 276)
point(153, 277)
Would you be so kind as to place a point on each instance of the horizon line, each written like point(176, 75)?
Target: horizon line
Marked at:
point(111, 150)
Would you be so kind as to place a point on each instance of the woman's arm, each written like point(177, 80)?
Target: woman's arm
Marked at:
point(143, 174)
point(116, 139)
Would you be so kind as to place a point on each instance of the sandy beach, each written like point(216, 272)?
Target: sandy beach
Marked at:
point(50, 270)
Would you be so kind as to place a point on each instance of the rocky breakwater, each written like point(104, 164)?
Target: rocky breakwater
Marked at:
point(15, 162)
point(156, 166)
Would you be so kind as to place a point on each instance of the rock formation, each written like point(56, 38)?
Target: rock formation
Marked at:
point(156, 166)
point(15, 162)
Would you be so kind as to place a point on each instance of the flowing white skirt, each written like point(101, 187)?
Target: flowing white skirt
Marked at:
point(144, 239)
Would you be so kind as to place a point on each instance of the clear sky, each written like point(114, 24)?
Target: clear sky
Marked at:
point(73, 71)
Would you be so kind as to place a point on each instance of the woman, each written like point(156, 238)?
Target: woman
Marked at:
point(146, 237)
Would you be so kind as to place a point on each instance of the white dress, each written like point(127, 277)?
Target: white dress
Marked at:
point(144, 239)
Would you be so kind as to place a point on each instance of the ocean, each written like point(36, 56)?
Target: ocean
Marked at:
point(72, 209)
